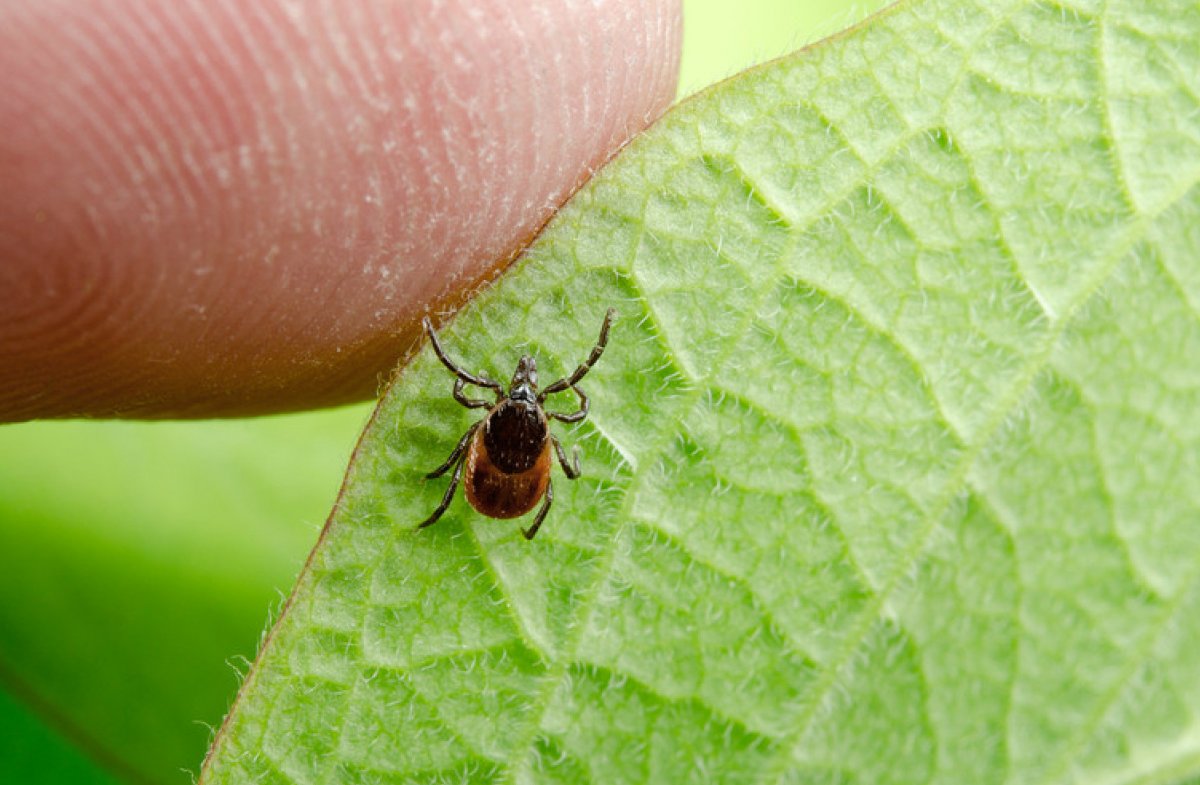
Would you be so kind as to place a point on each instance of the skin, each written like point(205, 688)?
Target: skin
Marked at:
point(220, 209)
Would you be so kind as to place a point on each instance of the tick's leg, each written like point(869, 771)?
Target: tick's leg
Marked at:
point(470, 403)
point(467, 378)
point(597, 350)
point(449, 495)
point(462, 445)
point(573, 416)
point(541, 515)
point(571, 469)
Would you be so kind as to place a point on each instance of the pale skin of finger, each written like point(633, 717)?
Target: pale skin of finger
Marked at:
point(219, 209)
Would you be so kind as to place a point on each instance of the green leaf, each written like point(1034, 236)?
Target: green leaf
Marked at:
point(890, 472)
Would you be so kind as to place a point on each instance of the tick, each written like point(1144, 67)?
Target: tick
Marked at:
point(503, 460)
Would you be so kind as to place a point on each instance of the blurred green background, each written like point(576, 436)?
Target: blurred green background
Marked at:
point(141, 562)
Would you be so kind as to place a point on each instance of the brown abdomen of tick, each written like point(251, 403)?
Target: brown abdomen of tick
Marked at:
point(508, 463)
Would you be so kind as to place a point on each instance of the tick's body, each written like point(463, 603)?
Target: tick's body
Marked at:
point(504, 459)
point(508, 462)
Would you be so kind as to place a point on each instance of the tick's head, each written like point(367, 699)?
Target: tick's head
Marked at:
point(524, 381)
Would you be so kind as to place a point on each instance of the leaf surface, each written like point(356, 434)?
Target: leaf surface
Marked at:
point(890, 472)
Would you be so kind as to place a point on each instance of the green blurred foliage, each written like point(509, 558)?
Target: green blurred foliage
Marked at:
point(32, 752)
point(137, 560)
point(723, 38)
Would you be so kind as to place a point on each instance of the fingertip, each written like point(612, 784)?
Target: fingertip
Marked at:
point(216, 209)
